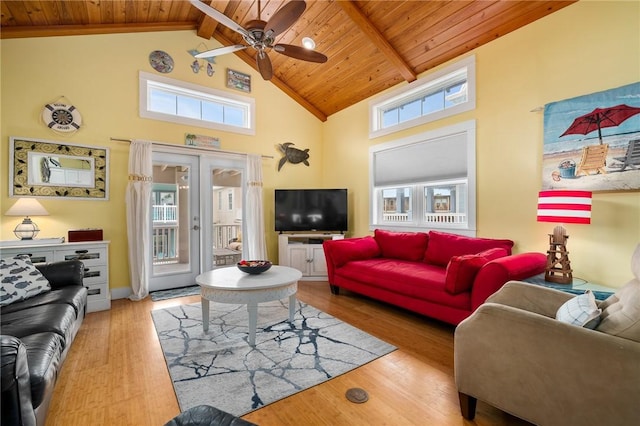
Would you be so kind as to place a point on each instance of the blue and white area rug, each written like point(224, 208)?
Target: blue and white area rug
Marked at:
point(219, 368)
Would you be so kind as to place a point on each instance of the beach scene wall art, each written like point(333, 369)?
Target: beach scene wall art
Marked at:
point(592, 142)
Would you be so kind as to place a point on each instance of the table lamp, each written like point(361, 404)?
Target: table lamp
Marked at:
point(562, 206)
point(27, 229)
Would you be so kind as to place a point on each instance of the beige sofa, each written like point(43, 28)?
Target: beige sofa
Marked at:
point(513, 354)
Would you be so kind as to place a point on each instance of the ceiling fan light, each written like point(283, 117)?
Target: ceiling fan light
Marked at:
point(308, 43)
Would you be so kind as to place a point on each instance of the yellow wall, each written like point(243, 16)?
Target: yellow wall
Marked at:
point(99, 75)
point(584, 48)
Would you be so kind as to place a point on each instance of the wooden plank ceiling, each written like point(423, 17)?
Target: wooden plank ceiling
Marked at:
point(371, 45)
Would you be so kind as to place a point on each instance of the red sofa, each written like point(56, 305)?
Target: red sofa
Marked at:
point(437, 274)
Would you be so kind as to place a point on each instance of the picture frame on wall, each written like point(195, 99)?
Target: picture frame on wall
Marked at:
point(46, 168)
point(239, 81)
point(592, 142)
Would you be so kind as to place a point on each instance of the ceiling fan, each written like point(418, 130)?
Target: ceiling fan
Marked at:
point(261, 35)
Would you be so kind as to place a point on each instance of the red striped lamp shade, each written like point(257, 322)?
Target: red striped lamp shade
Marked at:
point(564, 206)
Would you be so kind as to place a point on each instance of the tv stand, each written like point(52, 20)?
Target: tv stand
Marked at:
point(304, 252)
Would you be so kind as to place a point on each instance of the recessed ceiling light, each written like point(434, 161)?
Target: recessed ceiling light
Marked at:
point(308, 43)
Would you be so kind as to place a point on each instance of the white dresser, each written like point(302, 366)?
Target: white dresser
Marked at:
point(93, 254)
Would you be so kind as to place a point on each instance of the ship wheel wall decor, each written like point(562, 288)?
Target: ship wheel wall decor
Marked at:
point(62, 117)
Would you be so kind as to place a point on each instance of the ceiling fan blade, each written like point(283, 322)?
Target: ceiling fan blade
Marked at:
point(220, 51)
point(219, 16)
point(264, 65)
point(300, 53)
point(284, 18)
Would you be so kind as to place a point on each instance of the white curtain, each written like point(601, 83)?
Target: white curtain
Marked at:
point(138, 199)
point(255, 246)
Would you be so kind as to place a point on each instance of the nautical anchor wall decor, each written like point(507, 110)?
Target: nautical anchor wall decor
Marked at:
point(292, 155)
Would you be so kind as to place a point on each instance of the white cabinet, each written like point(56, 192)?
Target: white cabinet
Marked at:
point(304, 252)
point(93, 254)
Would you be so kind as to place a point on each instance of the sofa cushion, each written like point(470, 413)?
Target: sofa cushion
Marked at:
point(462, 270)
point(402, 245)
point(343, 251)
point(56, 318)
point(621, 312)
point(72, 295)
point(44, 352)
point(20, 280)
point(580, 310)
point(443, 246)
point(417, 280)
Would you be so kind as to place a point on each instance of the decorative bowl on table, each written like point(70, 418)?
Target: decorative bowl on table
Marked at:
point(254, 266)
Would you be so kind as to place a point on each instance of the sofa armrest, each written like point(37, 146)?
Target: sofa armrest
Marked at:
point(17, 408)
point(539, 368)
point(63, 273)
point(533, 298)
point(339, 252)
point(496, 273)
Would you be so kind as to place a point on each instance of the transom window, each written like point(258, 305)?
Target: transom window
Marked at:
point(447, 92)
point(426, 181)
point(175, 101)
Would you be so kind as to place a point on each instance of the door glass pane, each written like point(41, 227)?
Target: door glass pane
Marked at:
point(227, 216)
point(170, 215)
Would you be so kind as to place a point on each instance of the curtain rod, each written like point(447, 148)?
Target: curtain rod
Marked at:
point(190, 147)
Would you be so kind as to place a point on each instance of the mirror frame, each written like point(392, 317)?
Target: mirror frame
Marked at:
point(19, 186)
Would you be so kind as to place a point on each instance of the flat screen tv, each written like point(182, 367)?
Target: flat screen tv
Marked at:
point(299, 210)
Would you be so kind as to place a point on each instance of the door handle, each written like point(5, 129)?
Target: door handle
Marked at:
point(196, 228)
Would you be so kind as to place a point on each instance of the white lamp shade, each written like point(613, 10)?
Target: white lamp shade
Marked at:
point(27, 207)
point(27, 229)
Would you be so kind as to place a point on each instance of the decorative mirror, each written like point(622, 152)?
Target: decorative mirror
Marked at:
point(41, 168)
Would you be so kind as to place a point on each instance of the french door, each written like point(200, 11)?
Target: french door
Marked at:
point(223, 180)
point(197, 216)
point(175, 221)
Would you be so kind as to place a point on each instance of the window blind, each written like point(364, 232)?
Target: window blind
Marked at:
point(429, 160)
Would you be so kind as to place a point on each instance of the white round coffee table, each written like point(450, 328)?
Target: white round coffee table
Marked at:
point(231, 285)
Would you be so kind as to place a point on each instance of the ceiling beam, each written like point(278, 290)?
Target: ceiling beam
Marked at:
point(367, 27)
point(207, 25)
point(251, 61)
point(71, 30)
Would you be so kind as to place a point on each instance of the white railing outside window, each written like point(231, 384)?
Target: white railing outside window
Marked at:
point(395, 217)
point(165, 244)
point(224, 234)
point(165, 213)
point(451, 218)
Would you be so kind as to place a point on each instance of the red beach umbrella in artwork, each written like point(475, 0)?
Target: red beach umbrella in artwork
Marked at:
point(599, 118)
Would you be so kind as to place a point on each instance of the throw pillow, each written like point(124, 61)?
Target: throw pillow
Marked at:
point(20, 280)
point(581, 310)
point(348, 249)
point(494, 253)
point(443, 246)
point(402, 245)
point(621, 312)
point(461, 271)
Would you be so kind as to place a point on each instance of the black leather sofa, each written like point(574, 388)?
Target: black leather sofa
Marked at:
point(36, 336)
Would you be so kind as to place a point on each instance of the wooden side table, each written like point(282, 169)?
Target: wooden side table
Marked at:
point(576, 286)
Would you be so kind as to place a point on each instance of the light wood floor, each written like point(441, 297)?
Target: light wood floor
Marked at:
point(115, 373)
